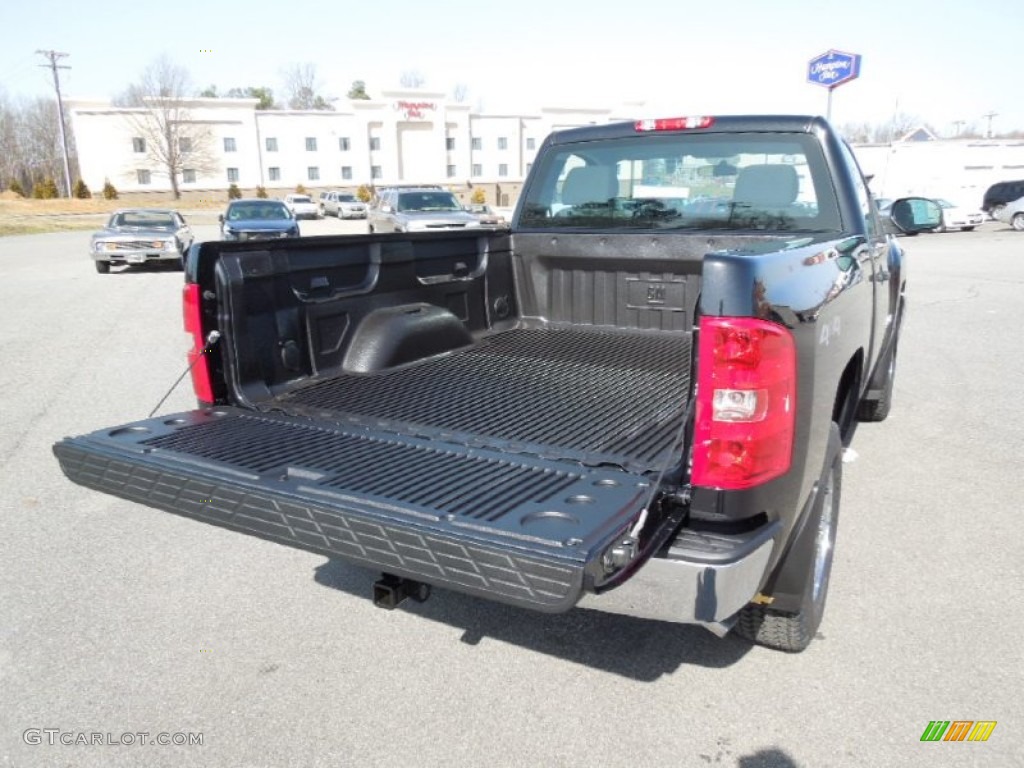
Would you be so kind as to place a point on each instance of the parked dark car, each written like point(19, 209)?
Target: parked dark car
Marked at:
point(257, 219)
point(1002, 193)
point(141, 236)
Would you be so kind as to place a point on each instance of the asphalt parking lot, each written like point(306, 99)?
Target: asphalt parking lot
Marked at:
point(122, 620)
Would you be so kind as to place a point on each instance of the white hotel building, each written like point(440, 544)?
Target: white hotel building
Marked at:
point(403, 137)
point(417, 137)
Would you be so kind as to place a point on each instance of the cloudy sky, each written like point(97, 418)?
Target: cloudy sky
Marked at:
point(677, 56)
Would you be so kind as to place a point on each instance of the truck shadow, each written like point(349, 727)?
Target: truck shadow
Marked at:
point(639, 649)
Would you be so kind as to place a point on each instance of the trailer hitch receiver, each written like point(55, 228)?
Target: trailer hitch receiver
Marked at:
point(389, 591)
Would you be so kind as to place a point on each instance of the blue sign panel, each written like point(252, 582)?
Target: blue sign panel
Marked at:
point(833, 68)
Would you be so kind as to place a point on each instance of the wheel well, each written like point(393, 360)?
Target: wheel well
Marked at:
point(844, 409)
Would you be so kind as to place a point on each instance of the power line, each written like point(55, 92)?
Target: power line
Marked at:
point(54, 57)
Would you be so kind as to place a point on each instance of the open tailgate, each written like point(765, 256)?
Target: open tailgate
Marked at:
point(510, 527)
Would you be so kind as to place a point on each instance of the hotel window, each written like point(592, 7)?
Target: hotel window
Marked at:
point(502, 142)
point(478, 143)
point(143, 176)
point(232, 175)
point(346, 172)
point(313, 173)
point(271, 144)
point(375, 172)
point(478, 170)
point(344, 144)
point(274, 173)
point(188, 176)
point(138, 144)
point(531, 143)
point(311, 143)
point(449, 143)
point(503, 169)
point(185, 144)
point(374, 143)
point(229, 144)
point(451, 171)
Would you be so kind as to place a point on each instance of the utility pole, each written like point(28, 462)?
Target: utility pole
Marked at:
point(54, 57)
point(989, 116)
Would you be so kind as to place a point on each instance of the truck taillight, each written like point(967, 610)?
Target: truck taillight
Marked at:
point(746, 401)
point(199, 367)
point(674, 123)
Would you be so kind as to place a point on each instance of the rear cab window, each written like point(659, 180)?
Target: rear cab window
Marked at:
point(737, 181)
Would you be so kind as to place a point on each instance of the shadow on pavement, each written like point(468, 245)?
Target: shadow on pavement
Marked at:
point(639, 649)
point(767, 758)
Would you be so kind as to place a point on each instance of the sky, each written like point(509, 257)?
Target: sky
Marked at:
point(936, 61)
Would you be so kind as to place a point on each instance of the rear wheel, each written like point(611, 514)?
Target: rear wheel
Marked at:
point(812, 553)
point(966, 229)
point(103, 267)
point(1017, 222)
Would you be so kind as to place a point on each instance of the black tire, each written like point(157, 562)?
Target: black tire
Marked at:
point(878, 410)
point(103, 267)
point(966, 229)
point(793, 631)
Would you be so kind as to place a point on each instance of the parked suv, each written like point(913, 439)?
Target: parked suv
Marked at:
point(419, 209)
point(342, 204)
point(1005, 202)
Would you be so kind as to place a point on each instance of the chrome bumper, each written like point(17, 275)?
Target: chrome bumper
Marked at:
point(690, 591)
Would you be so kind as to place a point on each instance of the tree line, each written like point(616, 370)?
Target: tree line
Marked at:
point(160, 112)
point(31, 159)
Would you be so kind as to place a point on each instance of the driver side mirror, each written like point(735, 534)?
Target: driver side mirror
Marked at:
point(911, 215)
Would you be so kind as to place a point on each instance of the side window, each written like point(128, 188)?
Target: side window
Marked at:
point(863, 196)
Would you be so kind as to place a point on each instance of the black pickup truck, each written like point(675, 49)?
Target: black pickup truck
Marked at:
point(635, 400)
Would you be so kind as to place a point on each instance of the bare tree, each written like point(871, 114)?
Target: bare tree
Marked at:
point(857, 133)
point(30, 148)
point(301, 88)
point(40, 139)
point(8, 142)
point(161, 115)
point(412, 78)
point(896, 128)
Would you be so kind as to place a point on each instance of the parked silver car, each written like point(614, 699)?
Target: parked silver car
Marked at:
point(1011, 213)
point(141, 236)
point(343, 205)
point(302, 206)
point(419, 209)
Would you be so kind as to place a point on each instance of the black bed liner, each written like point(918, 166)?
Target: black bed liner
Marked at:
point(591, 396)
point(504, 469)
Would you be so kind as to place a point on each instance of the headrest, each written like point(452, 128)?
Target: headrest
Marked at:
point(590, 184)
point(767, 186)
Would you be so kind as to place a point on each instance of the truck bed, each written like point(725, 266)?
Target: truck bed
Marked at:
point(585, 395)
point(503, 468)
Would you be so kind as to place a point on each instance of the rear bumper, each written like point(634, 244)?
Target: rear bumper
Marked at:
point(701, 580)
